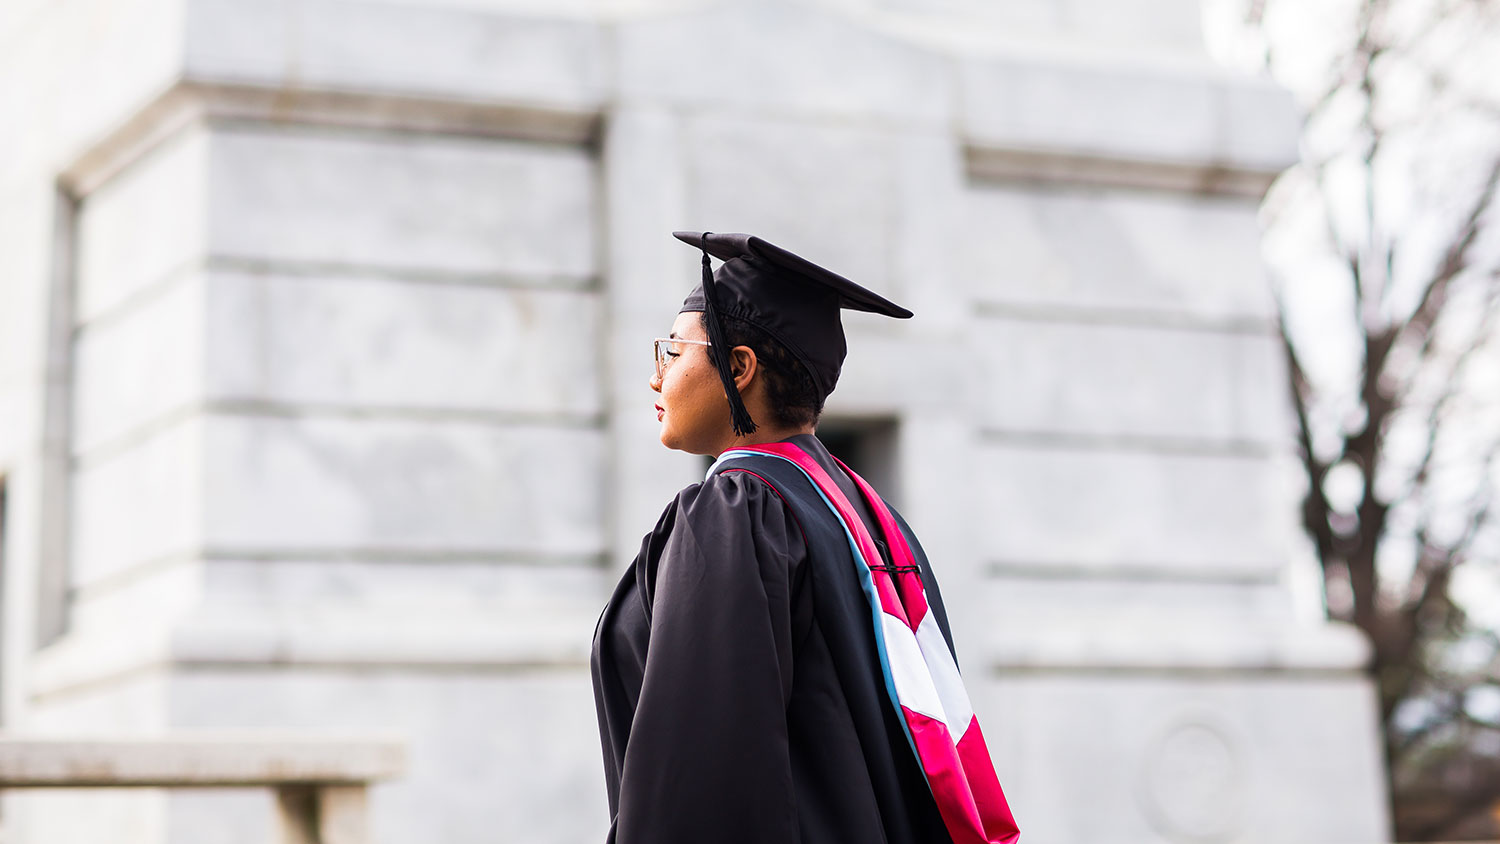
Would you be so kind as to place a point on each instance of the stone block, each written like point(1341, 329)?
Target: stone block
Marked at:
point(446, 205)
point(119, 816)
point(493, 756)
point(648, 272)
point(888, 375)
point(137, 369)
point(1113, 250)
point(1140, 26)
point(1150, 621)
point(142, 226)
point(142, 607)
point(648, 476)
point(225, 41)
point(224, 816)
point(421, 49)
point(140, 503)
point(935, 458)
point(1103, 380)
point(1264, 123)
point(427, 585)
point(1144, 25)
point(1145, 645)
point(283, 485)
point(377, 342)
point(1084, 506)
point(377, 638)
point(1144, 112)
point(783, 57)
point(1186, 758)
point(832, 199)
point(928, 210)
point(1026, 599)
point(646, 196)
point(1028, 104)
point(1032, 17)
point(382, 612)
point(132, 705)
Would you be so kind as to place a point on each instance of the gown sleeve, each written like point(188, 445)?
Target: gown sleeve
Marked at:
point(707, 756)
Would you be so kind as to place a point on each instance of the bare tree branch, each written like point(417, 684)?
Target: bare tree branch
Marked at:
point(1451, 380)
point(1315, 508)
point(1454, 261)
point(1410, 392)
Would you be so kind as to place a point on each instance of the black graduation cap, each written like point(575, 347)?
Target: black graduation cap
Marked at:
point(789, 297)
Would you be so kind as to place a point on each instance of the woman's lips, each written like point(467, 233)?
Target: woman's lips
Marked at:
point(660, 411)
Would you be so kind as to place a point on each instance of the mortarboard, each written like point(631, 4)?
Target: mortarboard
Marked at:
point(789, 297)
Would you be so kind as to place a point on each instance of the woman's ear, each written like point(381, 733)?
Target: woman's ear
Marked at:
point(744, 366)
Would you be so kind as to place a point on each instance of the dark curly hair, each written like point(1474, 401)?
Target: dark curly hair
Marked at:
point(794, 398)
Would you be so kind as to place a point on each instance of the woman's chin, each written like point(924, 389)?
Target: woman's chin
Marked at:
point(671, 440)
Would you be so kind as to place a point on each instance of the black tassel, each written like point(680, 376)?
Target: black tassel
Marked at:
point(738, 415)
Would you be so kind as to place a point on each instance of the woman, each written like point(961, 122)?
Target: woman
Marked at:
point(776, 665)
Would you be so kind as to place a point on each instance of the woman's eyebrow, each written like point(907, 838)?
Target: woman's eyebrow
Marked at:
point(673, 335)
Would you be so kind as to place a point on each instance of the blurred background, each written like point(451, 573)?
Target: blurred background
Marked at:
point(324, 334)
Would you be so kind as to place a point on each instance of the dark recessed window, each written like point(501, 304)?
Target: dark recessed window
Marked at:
point(868, 446)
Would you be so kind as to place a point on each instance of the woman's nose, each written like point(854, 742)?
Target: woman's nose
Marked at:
point(656, 382)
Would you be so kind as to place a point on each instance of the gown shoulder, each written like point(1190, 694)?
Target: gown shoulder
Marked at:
point(711, 615)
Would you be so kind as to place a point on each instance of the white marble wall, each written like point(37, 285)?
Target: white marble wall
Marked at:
point(354, 412)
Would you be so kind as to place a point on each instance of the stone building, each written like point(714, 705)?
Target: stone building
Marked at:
point(323, 355)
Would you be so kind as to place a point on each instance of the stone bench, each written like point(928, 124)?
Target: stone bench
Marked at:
point(320, 783)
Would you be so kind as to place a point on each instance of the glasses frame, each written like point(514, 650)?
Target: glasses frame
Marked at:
point(659, 358)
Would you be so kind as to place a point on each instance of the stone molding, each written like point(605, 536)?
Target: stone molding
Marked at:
point(1072, 646)
point(197, 760)
point(1073, 169)
point(189, 103)
point(355, 639)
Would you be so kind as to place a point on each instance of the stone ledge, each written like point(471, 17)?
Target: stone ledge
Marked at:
point(190, 103)
point(1075, 169)
point(198, 760)
point(419, 49)
point(1201, 648)
point(1149, 127)
point(550, 637)
point(1151, 318)
point(332, 638)
point(1252, 574)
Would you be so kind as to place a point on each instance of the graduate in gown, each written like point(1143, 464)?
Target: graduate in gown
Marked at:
point(744, 693)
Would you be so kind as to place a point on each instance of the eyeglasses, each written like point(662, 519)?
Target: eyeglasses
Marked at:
point(665, 354)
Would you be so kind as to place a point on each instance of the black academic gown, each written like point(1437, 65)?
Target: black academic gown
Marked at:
point(738, 686)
